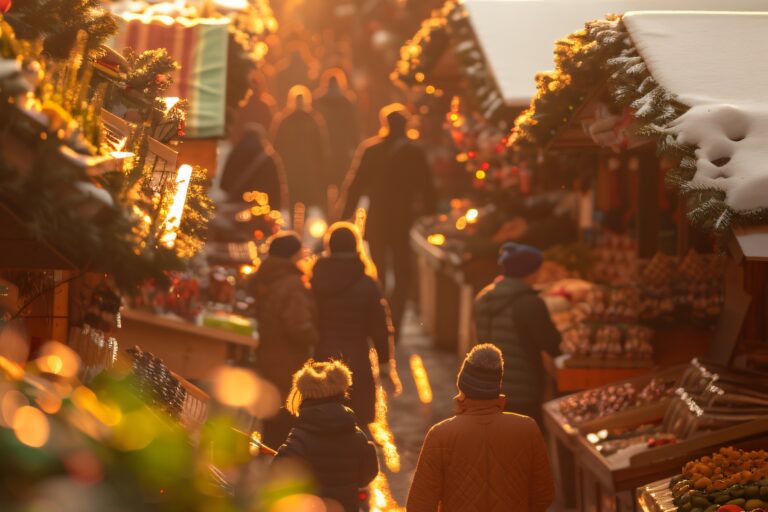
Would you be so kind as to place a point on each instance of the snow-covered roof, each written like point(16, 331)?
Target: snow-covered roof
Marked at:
point(516, 36)
point(709, 61)
point(704, 57)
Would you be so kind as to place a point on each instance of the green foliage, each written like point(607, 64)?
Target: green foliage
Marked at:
point(57, 23)
point(151, 72)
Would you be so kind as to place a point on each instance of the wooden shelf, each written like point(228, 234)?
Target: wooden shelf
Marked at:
point(168, 322)
point(193, 351)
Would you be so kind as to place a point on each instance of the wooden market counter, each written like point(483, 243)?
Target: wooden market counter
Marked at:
point(193, 351)
point(591, 482)
point(448, 283)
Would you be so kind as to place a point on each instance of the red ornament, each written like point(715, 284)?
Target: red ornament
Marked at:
point(5, 5)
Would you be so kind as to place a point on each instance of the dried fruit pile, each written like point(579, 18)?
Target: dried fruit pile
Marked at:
point(730, 480)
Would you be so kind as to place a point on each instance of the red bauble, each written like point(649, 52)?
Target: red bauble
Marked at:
point(5, 5)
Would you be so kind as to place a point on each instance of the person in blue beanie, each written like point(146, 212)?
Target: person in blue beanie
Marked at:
point(511, 315)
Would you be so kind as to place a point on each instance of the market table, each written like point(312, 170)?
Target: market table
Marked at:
point(448, 283)
point(193, 351)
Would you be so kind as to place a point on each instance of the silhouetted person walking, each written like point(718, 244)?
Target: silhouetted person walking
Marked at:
point(301, 140)
point(392, 171)
point(336, 103)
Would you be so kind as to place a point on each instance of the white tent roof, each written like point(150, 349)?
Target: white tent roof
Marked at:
point(517, 36)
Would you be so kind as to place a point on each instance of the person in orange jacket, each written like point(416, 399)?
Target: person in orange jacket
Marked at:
point(483, 459)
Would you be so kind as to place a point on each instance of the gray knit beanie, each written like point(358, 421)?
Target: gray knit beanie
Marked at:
point(481, 373)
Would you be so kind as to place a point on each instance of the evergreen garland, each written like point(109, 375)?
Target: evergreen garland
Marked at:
point(449, 27)
point(604, 53)
point(57, 22)
point(151, 72)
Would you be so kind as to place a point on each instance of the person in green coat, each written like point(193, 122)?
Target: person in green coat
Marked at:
point(511, 315)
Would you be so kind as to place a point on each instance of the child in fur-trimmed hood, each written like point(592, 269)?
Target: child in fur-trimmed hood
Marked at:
point(326, 438)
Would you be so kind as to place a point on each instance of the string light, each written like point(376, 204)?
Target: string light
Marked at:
point(480, 174)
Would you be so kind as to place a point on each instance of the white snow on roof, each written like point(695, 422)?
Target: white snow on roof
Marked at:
point(713, 63)
point(517, 36)
point(704, 57)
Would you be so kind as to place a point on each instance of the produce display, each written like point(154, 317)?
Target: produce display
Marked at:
point(601, 402)
point(730, 480)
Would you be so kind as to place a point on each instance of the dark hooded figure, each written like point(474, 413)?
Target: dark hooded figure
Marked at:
point(393, 172)
point(352, 313)
point(253, 166)
point(336, 103)
point(301, 139)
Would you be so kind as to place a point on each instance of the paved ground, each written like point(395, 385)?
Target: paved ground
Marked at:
point(409, 419)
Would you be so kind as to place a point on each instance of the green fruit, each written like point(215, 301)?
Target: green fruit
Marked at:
point(737, 492)
point(686, 507)
point(685, 499)
point(700, 501)
point(712, 508)
point(753, 504)
point(752, 491)
point(739, 502)
point(723, 498)
point(697, 509)
point(764, 491)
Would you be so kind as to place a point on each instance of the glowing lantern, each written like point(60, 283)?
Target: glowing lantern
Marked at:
point(173, 220)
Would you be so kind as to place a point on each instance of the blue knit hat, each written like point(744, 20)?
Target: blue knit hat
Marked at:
point(519, 260)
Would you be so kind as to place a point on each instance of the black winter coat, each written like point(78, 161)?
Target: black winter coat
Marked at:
point(340, 116)
point(394, 173)
point(351, 311)
point(338, 453)
point(510, 314)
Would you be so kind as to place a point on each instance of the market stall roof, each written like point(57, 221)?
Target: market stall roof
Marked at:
point(684, 80)
point(516, 35)
point(509, 41)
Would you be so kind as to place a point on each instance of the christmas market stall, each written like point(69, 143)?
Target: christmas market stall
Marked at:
point(470, 75)
point(633, 82)
point(92, 207)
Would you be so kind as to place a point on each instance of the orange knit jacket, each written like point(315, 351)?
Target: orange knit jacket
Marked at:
point(482, 460)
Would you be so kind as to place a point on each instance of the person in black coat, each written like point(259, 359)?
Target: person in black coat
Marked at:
point(393, 172)
point(351, 312)
point(336, 103)
point(325, 437)
point(253, 166)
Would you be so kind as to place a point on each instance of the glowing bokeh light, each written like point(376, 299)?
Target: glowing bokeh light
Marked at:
point(176, 211)
point(30, 425)
point(437, 239)
point(317, 228)
point(12, 401)
point(480, 174)
point(235, 387)
point(58, 359)
point(472, 215)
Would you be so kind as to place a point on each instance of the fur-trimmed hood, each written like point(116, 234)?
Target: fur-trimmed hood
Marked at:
point(322, 379)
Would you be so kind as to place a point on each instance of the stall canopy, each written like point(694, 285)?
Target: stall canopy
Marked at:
point(685, 80)
point(500, 45)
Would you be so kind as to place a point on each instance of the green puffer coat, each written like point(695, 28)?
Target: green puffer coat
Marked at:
point(511, 315)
